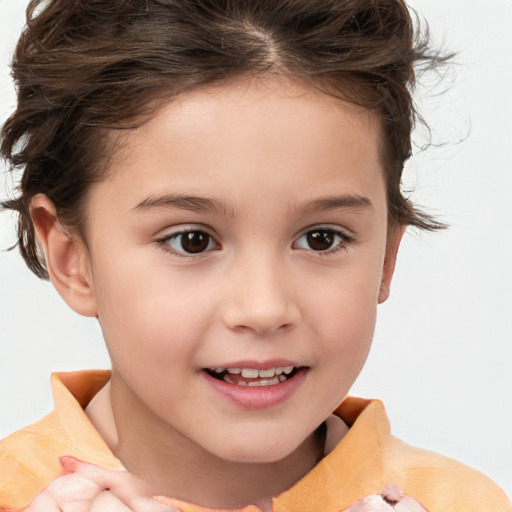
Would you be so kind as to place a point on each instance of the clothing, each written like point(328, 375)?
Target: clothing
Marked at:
point(366, 460)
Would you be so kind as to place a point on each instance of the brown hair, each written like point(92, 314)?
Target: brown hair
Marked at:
point(84, 66)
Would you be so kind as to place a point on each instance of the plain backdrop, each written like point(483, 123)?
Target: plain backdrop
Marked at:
point(442, 353)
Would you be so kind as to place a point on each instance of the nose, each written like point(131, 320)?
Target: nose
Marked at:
point(261, 298)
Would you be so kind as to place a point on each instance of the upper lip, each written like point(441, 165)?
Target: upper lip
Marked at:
point(257, 365)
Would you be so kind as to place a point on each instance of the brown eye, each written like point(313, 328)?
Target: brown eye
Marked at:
point(322, 240)
point(195, 241)
point(191, 242)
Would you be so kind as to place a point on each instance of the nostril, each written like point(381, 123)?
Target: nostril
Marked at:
point(264, 304)
point(263, 320)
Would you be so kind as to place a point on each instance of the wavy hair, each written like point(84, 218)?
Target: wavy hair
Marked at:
point(83, 68)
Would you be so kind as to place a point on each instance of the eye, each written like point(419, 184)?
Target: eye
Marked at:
point(322, 240)
point(189, 242)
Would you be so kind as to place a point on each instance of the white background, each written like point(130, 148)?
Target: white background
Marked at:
point(442, 353)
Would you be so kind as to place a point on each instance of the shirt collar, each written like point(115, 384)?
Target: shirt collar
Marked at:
point(353, 469)
point(72, 392)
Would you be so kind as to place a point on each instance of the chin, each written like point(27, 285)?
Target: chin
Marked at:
point(250, 451)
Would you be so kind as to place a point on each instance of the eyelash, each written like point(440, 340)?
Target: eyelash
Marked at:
point(164, 243)
point(345, 240)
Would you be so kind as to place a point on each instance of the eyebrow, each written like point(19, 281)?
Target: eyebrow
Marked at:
point(345, 201)
point(185, 202)
point(199, 204)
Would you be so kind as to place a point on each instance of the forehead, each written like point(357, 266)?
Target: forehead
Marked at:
point(231, 137)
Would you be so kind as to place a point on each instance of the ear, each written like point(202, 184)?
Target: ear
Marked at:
point(67, 258)
point(393, 243)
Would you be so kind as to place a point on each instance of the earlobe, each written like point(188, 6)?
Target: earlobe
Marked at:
point(393, 243)
point(66, 258)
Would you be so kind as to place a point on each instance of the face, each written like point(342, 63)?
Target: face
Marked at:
point(237, 252)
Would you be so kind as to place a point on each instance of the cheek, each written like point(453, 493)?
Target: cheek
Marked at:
point(342, 310)
point(346, 301)
point(148, 315)
point(346, 330)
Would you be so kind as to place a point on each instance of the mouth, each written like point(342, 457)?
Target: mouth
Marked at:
point(252, 377)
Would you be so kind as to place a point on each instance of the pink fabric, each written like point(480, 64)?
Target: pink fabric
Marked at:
point(391, 499)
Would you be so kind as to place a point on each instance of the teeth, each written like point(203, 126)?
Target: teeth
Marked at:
point(228, 379)
point(264, 382)
point(250, 373)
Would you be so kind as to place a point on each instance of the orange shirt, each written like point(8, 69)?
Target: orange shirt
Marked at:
point(364, 462)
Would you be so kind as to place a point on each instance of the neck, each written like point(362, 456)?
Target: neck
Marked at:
point(175, 466)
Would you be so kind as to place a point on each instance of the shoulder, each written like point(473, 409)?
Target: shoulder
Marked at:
point(29, 462)
point(441, 483)
point(30, 458)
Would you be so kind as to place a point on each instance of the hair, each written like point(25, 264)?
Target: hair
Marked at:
point(85, 67)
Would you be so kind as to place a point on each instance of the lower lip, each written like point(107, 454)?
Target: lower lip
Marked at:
point(257, 397)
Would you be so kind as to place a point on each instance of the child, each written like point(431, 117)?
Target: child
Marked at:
point(219, 184)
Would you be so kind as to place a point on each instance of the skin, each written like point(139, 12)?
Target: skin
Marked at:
point(90, 488)
point(269, 152)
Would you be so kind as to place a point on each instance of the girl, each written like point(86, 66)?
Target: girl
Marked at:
point(223, 195)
